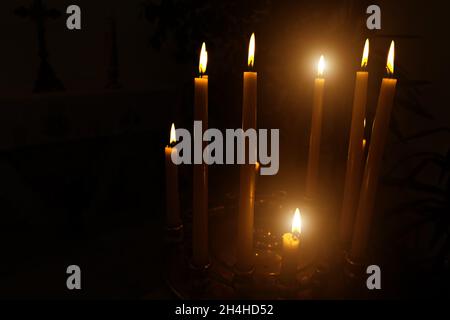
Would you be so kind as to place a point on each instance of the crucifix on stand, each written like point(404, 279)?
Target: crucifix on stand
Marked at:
point(38, 13)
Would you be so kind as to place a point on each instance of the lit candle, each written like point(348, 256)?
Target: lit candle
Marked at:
point(373, 166)
point(244, 256)
point(364, 143)
point(312, 174)
point(200, 179)
point(291, 244)
point(172, 196)
point(355, 157)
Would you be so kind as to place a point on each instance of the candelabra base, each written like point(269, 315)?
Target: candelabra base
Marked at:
point(354, 273)
point(220, 280)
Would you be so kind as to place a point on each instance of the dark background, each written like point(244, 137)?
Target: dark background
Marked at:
point(81, 158)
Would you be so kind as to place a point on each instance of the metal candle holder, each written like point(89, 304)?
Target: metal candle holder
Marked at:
point(220, 279)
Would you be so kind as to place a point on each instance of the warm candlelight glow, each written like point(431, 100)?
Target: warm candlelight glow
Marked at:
point(257, 166)
point(203, 59)
point(364, 143)
point(297, 222)
point(365, 57)
point(251, 51)
point(321, 66)
point(173, 135)
point(291, 244)
point(390, 60)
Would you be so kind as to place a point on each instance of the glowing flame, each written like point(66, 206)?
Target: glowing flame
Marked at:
point(364, 143)
point(173, 135)
point(365, 57)
point(297, 222)
point(390, 59)
point(251, 51)
point(321, 66)
point(203, 60)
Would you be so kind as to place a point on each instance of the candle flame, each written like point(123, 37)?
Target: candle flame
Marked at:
point(321, 66)
point(173, 134)
point(365, 57)
point(390, 59)
point(364, 143)
point(203, 59)
point(297, 222)
point(251, 51)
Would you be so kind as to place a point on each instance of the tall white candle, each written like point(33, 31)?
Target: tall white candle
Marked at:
point(312, 174)
point(200, 191)
point(172, 195)
point(355, 159)
point(244, 259)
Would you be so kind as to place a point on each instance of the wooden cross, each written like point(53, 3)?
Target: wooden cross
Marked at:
point(37, 12)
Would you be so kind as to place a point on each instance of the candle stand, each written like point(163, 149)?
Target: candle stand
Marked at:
point(220, 280)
